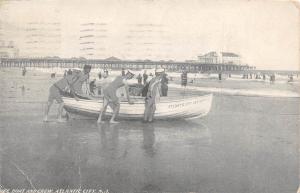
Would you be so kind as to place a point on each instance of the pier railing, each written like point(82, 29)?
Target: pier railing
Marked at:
point(107, 64)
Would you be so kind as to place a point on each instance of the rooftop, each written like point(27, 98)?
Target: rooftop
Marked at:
point(215, 54)
point(230, 54)
point(112, 58)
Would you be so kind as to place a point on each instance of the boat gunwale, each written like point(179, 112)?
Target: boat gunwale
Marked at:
point(133, 116)
point(142, 99)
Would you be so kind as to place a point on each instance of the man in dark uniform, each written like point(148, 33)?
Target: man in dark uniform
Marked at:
point(139, 78)
point(164, 85)
point(145, 77)
point(184, 78)
point(152, 97)
point(92, 86)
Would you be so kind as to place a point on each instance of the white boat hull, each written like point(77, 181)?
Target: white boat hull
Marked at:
point(192, 107)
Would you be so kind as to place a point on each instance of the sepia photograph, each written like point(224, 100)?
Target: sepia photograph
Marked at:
point(121, 96)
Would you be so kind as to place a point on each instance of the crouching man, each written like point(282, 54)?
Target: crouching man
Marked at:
point(152, 97)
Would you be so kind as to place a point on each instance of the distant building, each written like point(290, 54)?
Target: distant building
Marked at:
point(8, 50)
point(220, 58)
point(230, 58)
point(209, 58)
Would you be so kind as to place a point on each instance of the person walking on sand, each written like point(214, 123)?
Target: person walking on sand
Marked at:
point(110, 96)
point(153, 94)
point(57, 90)
point(24, 71)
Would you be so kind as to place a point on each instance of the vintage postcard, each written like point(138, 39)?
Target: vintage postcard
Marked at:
point(149, 96)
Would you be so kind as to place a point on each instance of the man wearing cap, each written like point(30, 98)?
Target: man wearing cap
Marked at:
point(110, 96)
point(153, 94)
point(58, 89)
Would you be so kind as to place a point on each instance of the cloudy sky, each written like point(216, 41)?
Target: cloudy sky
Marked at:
point(265, 33)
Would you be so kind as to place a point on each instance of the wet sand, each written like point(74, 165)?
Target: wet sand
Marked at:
point(245, 144)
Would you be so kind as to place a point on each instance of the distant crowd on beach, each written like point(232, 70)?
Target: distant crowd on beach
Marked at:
point(263, 76)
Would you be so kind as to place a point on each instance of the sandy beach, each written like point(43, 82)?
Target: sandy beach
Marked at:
point(245, 144)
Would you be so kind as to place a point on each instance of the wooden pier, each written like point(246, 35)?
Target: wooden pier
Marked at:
point(119, 64)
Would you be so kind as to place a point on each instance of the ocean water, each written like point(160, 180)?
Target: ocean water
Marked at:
point(245, 144)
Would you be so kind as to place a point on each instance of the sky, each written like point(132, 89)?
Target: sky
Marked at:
point(264, 33)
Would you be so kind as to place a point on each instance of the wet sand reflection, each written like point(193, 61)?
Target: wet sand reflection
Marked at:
point(80, 154)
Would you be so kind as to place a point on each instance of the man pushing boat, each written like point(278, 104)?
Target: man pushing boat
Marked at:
point(59, 88)
point(110, 96)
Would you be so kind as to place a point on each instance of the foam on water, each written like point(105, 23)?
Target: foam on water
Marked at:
point(242, 92)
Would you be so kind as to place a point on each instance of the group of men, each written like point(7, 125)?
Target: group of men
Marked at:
point(72, 83)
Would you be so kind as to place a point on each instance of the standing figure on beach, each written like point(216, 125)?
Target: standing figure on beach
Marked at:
point(53, 75)
point(139, 78)
point(272, 78)
point(92, 87)
point(164, 85)
point(220, 76)
point(110, 96)
point(106, 72)
point(24, 71)
point(291, 78)
point(184, 78)
point(65, 73)
point(145, 77)
point(99, 75)
point(69, 72)
point(153, 94)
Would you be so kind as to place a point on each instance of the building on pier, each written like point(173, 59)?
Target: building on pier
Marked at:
point(220, 58)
